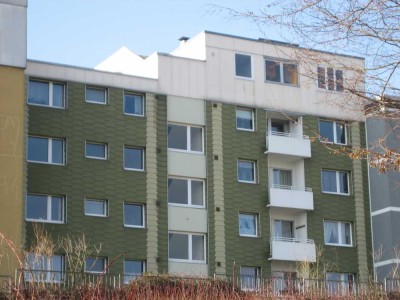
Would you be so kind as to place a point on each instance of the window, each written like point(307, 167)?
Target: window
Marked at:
point(283, 229)
point(133, 269)
point(243, 65)
point(281, 72)
point(334, 132)
point(186, 138)
point(133, 159)
point(340, 283)
point(96, 207)
point(96, 150)
point(95, 265)
point(42, 268)
point(246, 171)
point(330, 79)
point(133, 104)
point(46, 93)
point(282, 178)
point(96, 95)
point(46, 150)
point(280, 126)
point(45, 208)
point(250, 278)
point(284, 282)
point(248, 225)
point(335, 182)
point(134, 215)
point(186, 192)
point(187, 246)
point(337, 233)
point(245, 119)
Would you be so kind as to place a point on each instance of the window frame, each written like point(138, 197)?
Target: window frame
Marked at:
point(189, 189)
point(254, 171)
point(338, 183)
point(133, 276)
point(143, 208)
point(143, 158)
point(97, 157)
point(190, 247)
point(51, 92)
point(97, 88)
point(326, 79)
point(253, 119)
point(104, 271)
point(334, 129)
point(105, 206)
point(251, 66)
point(340, 242)
point(48, 209)
point(281, 71)
point(256, 221)
point(143, 104)
point(49, 273)
point(188, 139)
point(49, 151)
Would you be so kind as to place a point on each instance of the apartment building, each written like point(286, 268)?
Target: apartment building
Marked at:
point(196, 163)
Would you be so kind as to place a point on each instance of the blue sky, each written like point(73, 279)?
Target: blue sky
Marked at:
point(84, 32)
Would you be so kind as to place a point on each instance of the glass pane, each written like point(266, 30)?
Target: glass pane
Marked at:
point(58, 95)
point(345, 233)
point(331, 235)
point(244, 119)
point(96, 150)
point(133, 104)
point(343, 182)
point(283, 229)
point(56, 262)
point(339, 80)
point(198, 247)
point(247, 224)
point(196, 139)
point(329, 181)
point(248, 278)
point(96, 95)
point(331, 82)
point(246, 171)
point(321, 78)
point(95, 207)
point(38, 92)
point(36, 207)
point(282, 177)
point(279, 126)
point(133, 215)
point(177, 137)
point(178, 246)
point(243, 65)
point(57, 151)
point(133, 158)
point(272, 71)
point(340, 133)
point(132, 269)
point(197, 192)
point(290, 74)
point(57, 209)
point(326, 130)
point(95, 265)
point(177, 191)
point(38, 149)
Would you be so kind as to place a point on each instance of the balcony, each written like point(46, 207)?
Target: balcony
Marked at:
point(292, 249)
point(288, 144)
point(287, 196)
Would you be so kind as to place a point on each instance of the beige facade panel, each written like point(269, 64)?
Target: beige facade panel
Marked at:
point(187, 269)
point(186, 164)
point(185, 110)
point(187, 219)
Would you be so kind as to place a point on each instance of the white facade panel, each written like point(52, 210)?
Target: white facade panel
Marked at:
point(186, 164)
point(187, 219)
point(288, 145)
point(296, 250)
point(185, 110)
point(291, 198)
point(187, 269)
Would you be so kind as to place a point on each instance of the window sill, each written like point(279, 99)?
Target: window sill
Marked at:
point(186, 205)
point(97, 216)
point(97, 158)
point(337, 194)
point(135, 227)
point(340, 245)
point(94, 102)
point(47, 106)
point(186, 151)
point(135, 170)
point(249, 236)
point(44, 221)
point(283, 84)
point(200, 262)
point(44, 163)
point(248, 182)
point(244, 78)
point(333, 143)
point(245, 130)
point(134, 115)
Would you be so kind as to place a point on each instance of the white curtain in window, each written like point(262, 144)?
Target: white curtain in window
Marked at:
point(331, 233)
point(282, 177)
point(247, 224)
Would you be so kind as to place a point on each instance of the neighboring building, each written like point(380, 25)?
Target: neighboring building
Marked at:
point(198, 162)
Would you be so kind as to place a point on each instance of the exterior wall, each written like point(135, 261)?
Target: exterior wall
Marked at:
point(12, 168)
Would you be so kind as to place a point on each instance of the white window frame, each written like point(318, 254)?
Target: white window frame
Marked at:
point(190, 247)
point(338, 183)
point(189, 196)
point(189, 139)
point(105, 206)
point(251, 66)
point(47, 275)
point(143, 104)
point(130, 277)
point(143, 158)
point(252, 119)
point(49, 207)
point(281, 70)
point(97, 157)
point(49, 151)
point(104, 271)
point(335, 138)
point(256, 216)
point(254, 171)
point(143, 215)
point(51, 104)
point(105, 90)
point(326, 79)
point(340, 242)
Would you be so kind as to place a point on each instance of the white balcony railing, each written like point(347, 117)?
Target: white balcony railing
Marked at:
point(286, 143)
point(291, 187)
point(289, 135)
point(292, 249)
point(288, 196)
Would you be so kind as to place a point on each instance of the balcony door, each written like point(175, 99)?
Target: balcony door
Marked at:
point(281, 126)
point(283, 229)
